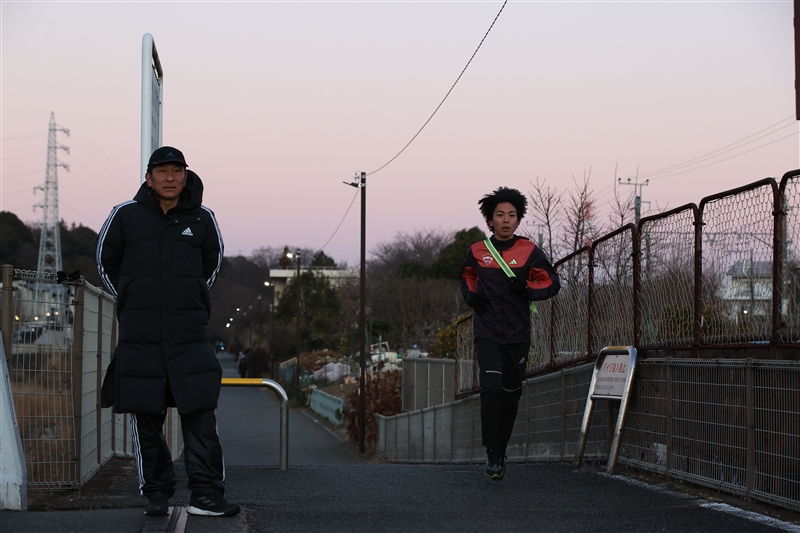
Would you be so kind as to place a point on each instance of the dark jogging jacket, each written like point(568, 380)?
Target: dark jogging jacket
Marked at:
point(160, 269)
point(502, 314)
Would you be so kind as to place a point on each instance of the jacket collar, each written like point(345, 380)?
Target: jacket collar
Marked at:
point(505, 245)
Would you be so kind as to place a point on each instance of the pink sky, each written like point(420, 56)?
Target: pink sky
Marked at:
point(275, 104)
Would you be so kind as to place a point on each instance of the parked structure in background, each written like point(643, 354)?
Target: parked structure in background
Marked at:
point(337, 277)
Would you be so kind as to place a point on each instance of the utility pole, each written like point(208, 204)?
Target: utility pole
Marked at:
point(299, 314)
point(637, 208)
point(362, 184)
point(637, 199)
point(50, 240)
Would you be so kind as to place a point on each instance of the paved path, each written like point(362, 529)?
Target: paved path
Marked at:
point(329, 488)
point(248, 423)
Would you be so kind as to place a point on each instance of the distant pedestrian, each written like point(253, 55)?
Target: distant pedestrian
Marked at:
point(159, 254)
point(242, 365)
point(499, 279)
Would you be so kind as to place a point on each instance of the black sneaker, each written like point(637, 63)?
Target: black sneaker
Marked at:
point(157, 507)
point(211, 505)
point(495, 464)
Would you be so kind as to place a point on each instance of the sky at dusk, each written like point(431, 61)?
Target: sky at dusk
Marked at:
point(275, 104)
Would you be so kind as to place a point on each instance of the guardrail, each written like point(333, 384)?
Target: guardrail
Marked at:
point(284, 399)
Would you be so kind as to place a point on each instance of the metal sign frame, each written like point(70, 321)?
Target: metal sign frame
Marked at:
point(152, 101)
point(630, 351)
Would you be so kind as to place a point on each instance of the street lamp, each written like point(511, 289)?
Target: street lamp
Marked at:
point(299, 308)
point(270, 286)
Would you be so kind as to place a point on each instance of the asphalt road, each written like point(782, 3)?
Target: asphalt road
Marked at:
point(329, 488)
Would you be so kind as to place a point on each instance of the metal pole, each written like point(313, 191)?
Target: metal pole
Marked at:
point(99, 380)
point(750, 479)
point(363, 318)
point(77, 374)
point(8, 310)
point(297, 329)
point(284, 399)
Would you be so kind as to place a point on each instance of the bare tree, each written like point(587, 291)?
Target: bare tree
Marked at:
point(415, 308)
point(275, 256)
point(545, 210)
point(580, 216)
point(422, 246)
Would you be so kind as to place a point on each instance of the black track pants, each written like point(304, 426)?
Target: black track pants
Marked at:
point(201, 451)
point(502, 368)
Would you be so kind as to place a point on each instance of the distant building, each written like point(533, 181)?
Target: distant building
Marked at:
point(749, 290)
point(338, 277)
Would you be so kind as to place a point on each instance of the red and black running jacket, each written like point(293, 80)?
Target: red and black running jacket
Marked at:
point(503, 315)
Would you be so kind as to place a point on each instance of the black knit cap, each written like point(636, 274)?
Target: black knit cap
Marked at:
point(166, 154)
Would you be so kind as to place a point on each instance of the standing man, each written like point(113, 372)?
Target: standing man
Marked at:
point(500, 278)
point(159, 254)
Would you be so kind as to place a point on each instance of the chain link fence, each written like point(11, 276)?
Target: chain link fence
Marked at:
point(667, 277)
point(737, 261)
point(58, 339)
point(688, 280)
point(721, 279)
point(789, 243)
point(612, 302)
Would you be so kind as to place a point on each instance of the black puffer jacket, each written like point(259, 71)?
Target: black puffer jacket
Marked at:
point(160, 268)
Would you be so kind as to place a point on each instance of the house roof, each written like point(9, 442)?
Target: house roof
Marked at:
point(744, 268)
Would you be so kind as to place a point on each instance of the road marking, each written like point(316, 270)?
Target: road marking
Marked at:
point(326, 428)
point(750, 515)
point(721, 507)
point(174, 522)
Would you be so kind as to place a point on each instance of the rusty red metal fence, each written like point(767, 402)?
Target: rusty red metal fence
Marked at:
point(667, 277)
point(737, 242)
point(788, 266)
point(569, 322)
point(689, 282)
point(613, 259)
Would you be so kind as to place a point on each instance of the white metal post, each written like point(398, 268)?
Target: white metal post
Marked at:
point(152, 101)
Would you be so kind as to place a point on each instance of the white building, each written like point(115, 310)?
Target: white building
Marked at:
point(749, 290)
point(281, 276)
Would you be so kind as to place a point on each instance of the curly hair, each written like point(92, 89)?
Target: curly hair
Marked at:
point(504, 194)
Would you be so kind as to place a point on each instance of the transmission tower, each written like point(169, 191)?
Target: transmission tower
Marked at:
point(50, 242)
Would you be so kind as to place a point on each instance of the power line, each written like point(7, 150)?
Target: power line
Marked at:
point(99, 163)
point(423, 126)
point(20, 138)
point(727, 158)
point(6, 176)
point(725, 149)
point(605, 191)
point(104, 182)
point(340, 223)
point(21, 156)
point(446, 95)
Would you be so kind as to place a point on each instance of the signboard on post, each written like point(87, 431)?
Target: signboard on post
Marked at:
point(152, 101)
point(612, 379)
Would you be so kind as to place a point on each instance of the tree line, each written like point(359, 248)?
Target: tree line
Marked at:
point(412, 287)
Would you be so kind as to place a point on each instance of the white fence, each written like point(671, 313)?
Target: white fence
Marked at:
point(427, 382)
point(547, 426)
point(729, 424)
point(328, 406)
point(59, 339)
